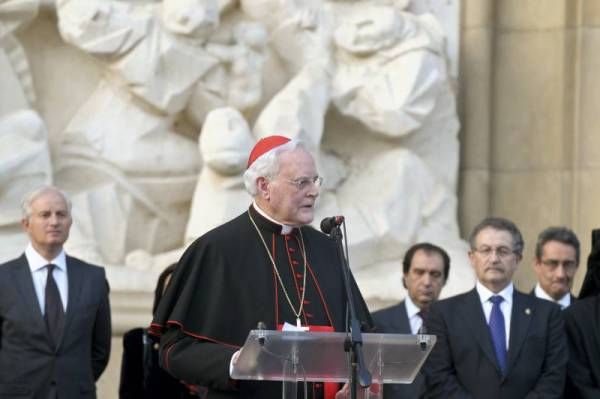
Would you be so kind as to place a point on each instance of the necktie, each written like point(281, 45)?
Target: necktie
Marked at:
point(423, 315)
point(498, 332)
point(54, 314)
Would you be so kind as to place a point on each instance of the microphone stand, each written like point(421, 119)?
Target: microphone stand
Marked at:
point(353, 344)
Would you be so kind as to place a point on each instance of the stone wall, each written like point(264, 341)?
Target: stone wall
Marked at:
point(528, 100)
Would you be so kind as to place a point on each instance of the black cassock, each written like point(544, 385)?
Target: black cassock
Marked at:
point(225, 284)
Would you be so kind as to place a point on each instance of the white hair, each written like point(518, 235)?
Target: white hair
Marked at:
point(267, 165)
point(30, 197)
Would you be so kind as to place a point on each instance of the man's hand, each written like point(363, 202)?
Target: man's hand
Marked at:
point(234, 360)
point(372, 392)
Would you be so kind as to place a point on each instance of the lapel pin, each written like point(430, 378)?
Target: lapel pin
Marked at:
point(527, 311)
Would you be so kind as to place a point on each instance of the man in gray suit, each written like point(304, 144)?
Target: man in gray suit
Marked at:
point(425, 271)
point(54, 312)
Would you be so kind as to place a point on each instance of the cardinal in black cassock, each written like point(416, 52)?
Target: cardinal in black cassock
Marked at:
point(255, 268)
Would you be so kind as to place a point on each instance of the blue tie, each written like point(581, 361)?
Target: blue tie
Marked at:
point(498, 332)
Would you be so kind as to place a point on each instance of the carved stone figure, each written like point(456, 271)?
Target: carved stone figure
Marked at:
point(392, 76)
point(219, 196)
point(137, 167)
point(225, 142)
point(24, 153)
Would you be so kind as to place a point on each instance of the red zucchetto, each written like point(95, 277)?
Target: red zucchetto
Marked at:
point(265, 145)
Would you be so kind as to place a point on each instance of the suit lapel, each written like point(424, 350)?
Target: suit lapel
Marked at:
point(75, 282)
point(24, 283)
point(522, 312)
point(475, 320)
point(400, 320)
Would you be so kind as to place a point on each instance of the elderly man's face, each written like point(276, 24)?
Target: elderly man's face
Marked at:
point(288, 202)
point(50, 221)
point(494, 259)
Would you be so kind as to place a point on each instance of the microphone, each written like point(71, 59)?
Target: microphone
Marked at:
point(330, 223)
point(261, 327)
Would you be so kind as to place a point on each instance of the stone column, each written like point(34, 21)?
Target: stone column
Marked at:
point(475, 106)
point(529, 95)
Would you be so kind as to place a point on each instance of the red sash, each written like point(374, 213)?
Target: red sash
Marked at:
point(329, 388)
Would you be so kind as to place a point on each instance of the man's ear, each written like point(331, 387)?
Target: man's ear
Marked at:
point(262, 184)
point(536, 262)
point(519, 258)
point(25, 223)
point(471, 255)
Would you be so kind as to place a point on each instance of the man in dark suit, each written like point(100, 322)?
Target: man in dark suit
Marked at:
point(582, 323)
point(493, 341)
point(425, 270)
point(55, 326)
point(555, 264)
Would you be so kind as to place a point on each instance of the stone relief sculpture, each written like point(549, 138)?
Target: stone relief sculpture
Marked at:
point(224, 143)
point(236, 80)
point(364, 83)
point(392, 76)
point(24, 152)
point(125, 135)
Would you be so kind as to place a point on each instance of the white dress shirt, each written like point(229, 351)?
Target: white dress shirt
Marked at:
point(414, 319)
point(505, 306)
point(564, 302)
point(39, 273)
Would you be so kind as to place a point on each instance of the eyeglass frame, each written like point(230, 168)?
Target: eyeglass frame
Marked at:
point(302, 183)
point(503, 253)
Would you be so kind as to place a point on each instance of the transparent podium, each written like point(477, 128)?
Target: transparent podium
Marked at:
point(296, 357)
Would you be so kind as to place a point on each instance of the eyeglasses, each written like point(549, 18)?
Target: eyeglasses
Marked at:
point(302, 183)
point(501, 252)
point(553, 264)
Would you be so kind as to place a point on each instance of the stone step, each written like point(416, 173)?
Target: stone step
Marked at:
point(130, 309)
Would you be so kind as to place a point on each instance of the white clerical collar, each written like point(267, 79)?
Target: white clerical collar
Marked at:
point(37, 261)
point(285, 229)
point(564, 302)
point(411, 308)
point(485, 294)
